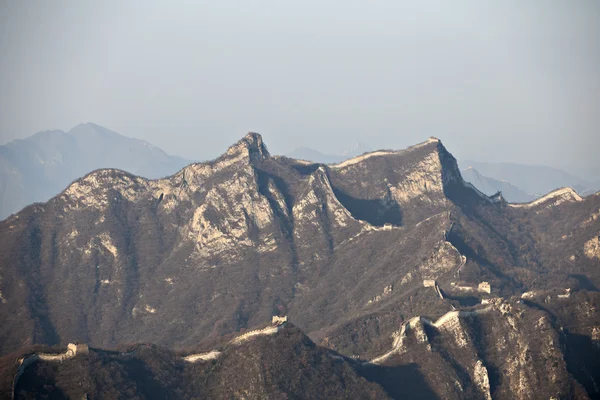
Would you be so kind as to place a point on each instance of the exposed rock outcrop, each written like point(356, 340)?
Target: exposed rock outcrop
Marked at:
point(343, 249)
point(524, 358)
point(591, 248)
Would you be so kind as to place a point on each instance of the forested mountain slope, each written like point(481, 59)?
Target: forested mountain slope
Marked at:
point(351, 252)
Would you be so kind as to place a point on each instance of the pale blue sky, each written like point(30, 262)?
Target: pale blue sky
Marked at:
point(495, 80)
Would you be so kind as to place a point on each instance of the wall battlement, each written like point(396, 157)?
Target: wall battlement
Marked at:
point(484, 287)
point(72, 350)
point(449, 322)
point(78, 348)
point(270, 330)
point(210, 355)
point(277, 320)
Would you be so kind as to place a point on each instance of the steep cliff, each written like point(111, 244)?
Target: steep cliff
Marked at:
point(343, 249)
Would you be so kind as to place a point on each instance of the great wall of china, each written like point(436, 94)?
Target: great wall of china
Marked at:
point(209, 355)
point(277, 323)
point(74, 349)
point(448, 322)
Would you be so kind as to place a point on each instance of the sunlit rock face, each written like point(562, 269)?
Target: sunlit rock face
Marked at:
point(141, 245)
point(553, 199)
point(503, 351)
point(38, 167)
point(591, 248)
point(343, 249)
point(413, 179)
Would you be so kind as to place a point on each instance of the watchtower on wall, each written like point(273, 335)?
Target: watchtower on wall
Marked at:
point(277, 320)
point(429, 283)
point(77, 348)
point(484, 287)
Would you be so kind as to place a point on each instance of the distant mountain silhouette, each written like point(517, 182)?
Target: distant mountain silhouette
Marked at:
point(308, 154)
point(358, 149)
point(491, 186)
point(532, 179)
point(38, 167)
point(402, 272)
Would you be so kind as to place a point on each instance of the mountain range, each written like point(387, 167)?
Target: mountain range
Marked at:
point(490, 186)
point(407, 280)
point(535, 180)
point(39, 167)
point(519, 183)
point(308, 154)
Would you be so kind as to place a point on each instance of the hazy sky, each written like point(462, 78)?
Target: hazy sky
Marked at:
point(496, 81)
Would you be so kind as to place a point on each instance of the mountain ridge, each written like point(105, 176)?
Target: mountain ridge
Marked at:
point(348, 251)
point(472, 374)
point(211, 233)
point(287, 364)
point(252, 145)
point(490, 186)
point(36, 168)
point(535, 180)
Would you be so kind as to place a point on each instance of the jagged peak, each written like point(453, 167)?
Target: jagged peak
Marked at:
point(247, 149)
point(254, 138)
point(429, 153)
point(250, 145)
point(320, 178)
point(320, 175)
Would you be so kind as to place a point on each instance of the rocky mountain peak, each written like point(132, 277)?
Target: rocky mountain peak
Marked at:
point(353, 253)
point(450, 170)
point(250, 146)
point(454, 186)
point(253, 137)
